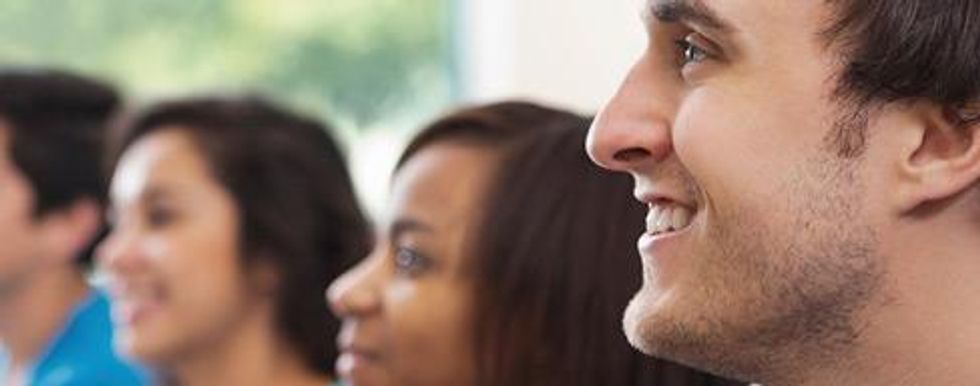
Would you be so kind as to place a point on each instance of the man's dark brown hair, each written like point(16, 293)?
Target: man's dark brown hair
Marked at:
point(903, 50)
point(57, 123)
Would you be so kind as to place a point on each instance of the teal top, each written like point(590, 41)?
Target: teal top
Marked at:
point(81, 353)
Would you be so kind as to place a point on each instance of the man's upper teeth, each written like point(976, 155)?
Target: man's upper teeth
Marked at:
point(665, 218)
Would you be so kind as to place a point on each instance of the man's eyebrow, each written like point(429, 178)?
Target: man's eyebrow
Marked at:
point(687, 11)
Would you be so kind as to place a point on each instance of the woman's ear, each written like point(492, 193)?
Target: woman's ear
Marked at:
point(264, 277)
point(945, 156)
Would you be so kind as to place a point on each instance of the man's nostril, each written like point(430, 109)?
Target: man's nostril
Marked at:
point(631, 155)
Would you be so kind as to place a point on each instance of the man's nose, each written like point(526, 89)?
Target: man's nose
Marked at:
point(633, 128)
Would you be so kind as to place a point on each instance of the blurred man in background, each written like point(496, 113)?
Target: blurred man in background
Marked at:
point(54, 328)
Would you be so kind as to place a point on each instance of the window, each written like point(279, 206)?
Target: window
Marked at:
point(368, 66)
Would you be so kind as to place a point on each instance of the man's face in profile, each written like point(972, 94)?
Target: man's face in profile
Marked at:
point(759, 234)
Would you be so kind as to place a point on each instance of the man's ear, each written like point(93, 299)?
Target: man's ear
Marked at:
point(944, 155)
point(66, 232)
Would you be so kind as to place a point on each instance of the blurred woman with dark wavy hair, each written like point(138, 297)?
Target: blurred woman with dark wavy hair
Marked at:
point(230, 217)
point(506, 260)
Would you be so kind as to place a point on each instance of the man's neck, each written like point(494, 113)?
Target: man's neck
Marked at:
point(32, 314)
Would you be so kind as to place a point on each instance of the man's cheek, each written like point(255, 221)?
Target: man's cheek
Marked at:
point(705, 135)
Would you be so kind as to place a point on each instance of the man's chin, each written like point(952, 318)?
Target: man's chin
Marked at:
point(658, 324)
point(638, 322)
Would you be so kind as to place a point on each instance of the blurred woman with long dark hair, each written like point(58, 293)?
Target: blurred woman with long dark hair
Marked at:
point(229, 218)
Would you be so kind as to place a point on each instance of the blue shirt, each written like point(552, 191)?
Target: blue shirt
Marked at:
point(82, 354)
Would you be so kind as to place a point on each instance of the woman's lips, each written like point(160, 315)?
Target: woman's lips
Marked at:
point(354, 360)
point(133, 304)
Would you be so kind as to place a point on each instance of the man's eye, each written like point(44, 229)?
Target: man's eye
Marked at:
point(692, 49)
point(410, 263)
point(691, 53)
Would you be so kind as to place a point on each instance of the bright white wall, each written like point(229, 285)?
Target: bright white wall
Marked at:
point(567, 53)
point(571, 53)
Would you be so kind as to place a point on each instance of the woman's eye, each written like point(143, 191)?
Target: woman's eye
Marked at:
point(159, 217)
point(410, 263)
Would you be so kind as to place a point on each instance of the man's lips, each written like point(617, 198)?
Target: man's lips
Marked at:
point(663, 218)
point(665, 214)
